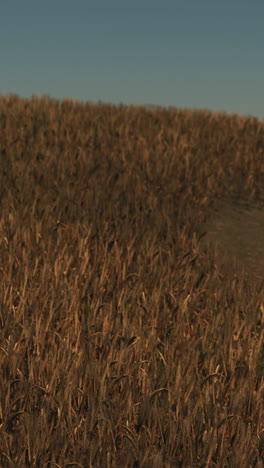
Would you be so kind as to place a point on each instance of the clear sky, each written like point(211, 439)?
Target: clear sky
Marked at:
point(206, 54)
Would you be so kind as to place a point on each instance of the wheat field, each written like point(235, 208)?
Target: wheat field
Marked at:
point(122, 342)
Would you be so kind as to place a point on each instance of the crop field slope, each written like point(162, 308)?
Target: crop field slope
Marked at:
point(131, 290)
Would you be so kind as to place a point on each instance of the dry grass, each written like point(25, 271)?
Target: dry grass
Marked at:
point(121, 344)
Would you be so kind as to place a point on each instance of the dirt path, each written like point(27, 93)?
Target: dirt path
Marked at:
point(235, 230)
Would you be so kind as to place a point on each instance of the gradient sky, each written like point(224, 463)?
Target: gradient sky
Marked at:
point(206, 54)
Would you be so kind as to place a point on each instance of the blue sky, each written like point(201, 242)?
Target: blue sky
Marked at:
point(206, 54)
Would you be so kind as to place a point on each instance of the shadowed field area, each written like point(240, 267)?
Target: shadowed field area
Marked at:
point(131, 303)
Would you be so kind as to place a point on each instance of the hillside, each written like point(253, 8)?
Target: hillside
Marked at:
point(123, 341)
